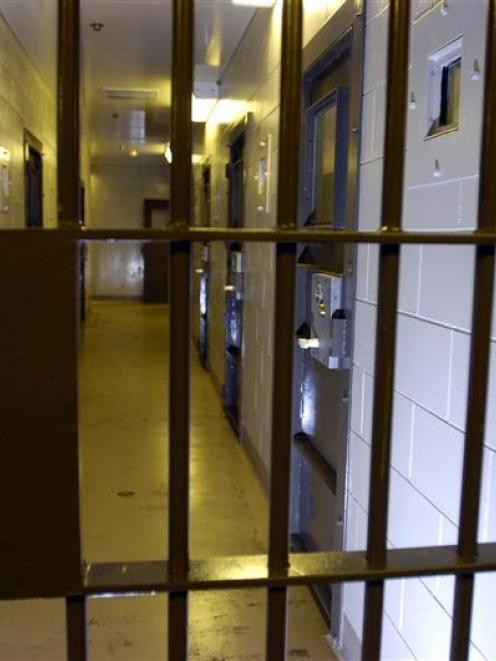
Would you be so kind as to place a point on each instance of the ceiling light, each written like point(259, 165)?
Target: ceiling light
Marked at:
point(227, 111)
point(133, 153)
point(202, 108)
point(97, 26)
point(268, 4)
point(129, 93)
point(195, 158)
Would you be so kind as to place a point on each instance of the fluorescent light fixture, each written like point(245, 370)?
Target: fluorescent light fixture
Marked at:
point(268, 4)
point(129, 93)
point(228, 111)
point(201, 108)
point(196, 159)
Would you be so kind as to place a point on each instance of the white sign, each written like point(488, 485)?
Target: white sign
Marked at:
point(4, 180)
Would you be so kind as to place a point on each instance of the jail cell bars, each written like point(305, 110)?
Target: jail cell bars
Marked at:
point(280, 569)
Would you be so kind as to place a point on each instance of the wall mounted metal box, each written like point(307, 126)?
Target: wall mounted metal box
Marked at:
point(236, 275)
point(329, 343)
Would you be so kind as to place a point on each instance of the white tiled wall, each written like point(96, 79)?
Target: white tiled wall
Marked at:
point(433, 339)
point(25, 103)
point(434, 320)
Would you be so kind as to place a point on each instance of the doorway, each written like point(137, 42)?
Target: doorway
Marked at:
point(325, 289)
point(156, 255)
point(33, 180)
point(204, 268)
point(234, 287)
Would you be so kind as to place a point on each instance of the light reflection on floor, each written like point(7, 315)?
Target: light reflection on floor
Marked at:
point(124, 437)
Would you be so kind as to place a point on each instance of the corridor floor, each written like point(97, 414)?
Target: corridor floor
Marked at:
point(123, 426)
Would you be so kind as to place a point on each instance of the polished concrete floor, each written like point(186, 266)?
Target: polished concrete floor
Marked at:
point(124, 382)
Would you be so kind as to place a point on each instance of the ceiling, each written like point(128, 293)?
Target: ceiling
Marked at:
point(132, 51)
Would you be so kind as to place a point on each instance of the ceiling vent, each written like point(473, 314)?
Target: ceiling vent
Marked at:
point(127, 93)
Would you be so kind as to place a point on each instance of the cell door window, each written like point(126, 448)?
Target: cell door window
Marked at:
point(328, 145)
point(325, 160)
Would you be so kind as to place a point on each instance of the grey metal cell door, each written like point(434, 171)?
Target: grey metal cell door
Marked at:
point(323, 318)
point(234, 284)
point(204, 269)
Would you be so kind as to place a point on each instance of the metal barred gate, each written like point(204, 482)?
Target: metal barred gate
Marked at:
point(279, 570)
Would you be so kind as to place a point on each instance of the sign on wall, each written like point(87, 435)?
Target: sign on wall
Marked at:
point(4, 180)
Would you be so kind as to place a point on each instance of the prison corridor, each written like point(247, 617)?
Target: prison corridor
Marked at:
point(124, 495)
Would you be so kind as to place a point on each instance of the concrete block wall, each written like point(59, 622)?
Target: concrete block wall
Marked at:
point(433, 339)
point(26, 102)
point(253, 76)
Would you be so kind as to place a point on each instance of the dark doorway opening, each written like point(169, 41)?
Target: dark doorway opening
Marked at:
point(156, 255)
point(33, 178)
point(204, 269)
point(83, 252)
point(234, 280)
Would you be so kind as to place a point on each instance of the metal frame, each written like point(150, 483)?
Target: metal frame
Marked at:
point(279, 569)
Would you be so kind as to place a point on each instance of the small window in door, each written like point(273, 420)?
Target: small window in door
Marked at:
point(327, 159)
point(324, 164)
point(445, 73)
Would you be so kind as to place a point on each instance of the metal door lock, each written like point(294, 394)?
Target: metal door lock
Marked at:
point(235, 276)
point(329, 337)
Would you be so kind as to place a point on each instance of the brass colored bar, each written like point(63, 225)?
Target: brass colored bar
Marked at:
point(479, 357)
point(75, 608)
point(68, 120)
point(389, 271)
point(179, 354)
point(277, 622)
point(260, 235)
point(282, 393)
point(242, 572)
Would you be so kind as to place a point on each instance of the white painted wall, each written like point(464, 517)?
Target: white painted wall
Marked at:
point(117, 201)
point(26, 102)
point(433, 340)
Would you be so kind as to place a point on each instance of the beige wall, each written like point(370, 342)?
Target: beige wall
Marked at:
point(117, 195)
point(25, 103)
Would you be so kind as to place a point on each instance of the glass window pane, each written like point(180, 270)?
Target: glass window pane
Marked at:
point(324, 172)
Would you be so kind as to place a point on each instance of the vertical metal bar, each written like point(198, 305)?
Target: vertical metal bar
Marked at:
point(75, 615)
point(179, 358)
point(68, 175)
point(287, 216)
point(479, 358)
point(68, 119)
point(389, 270)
